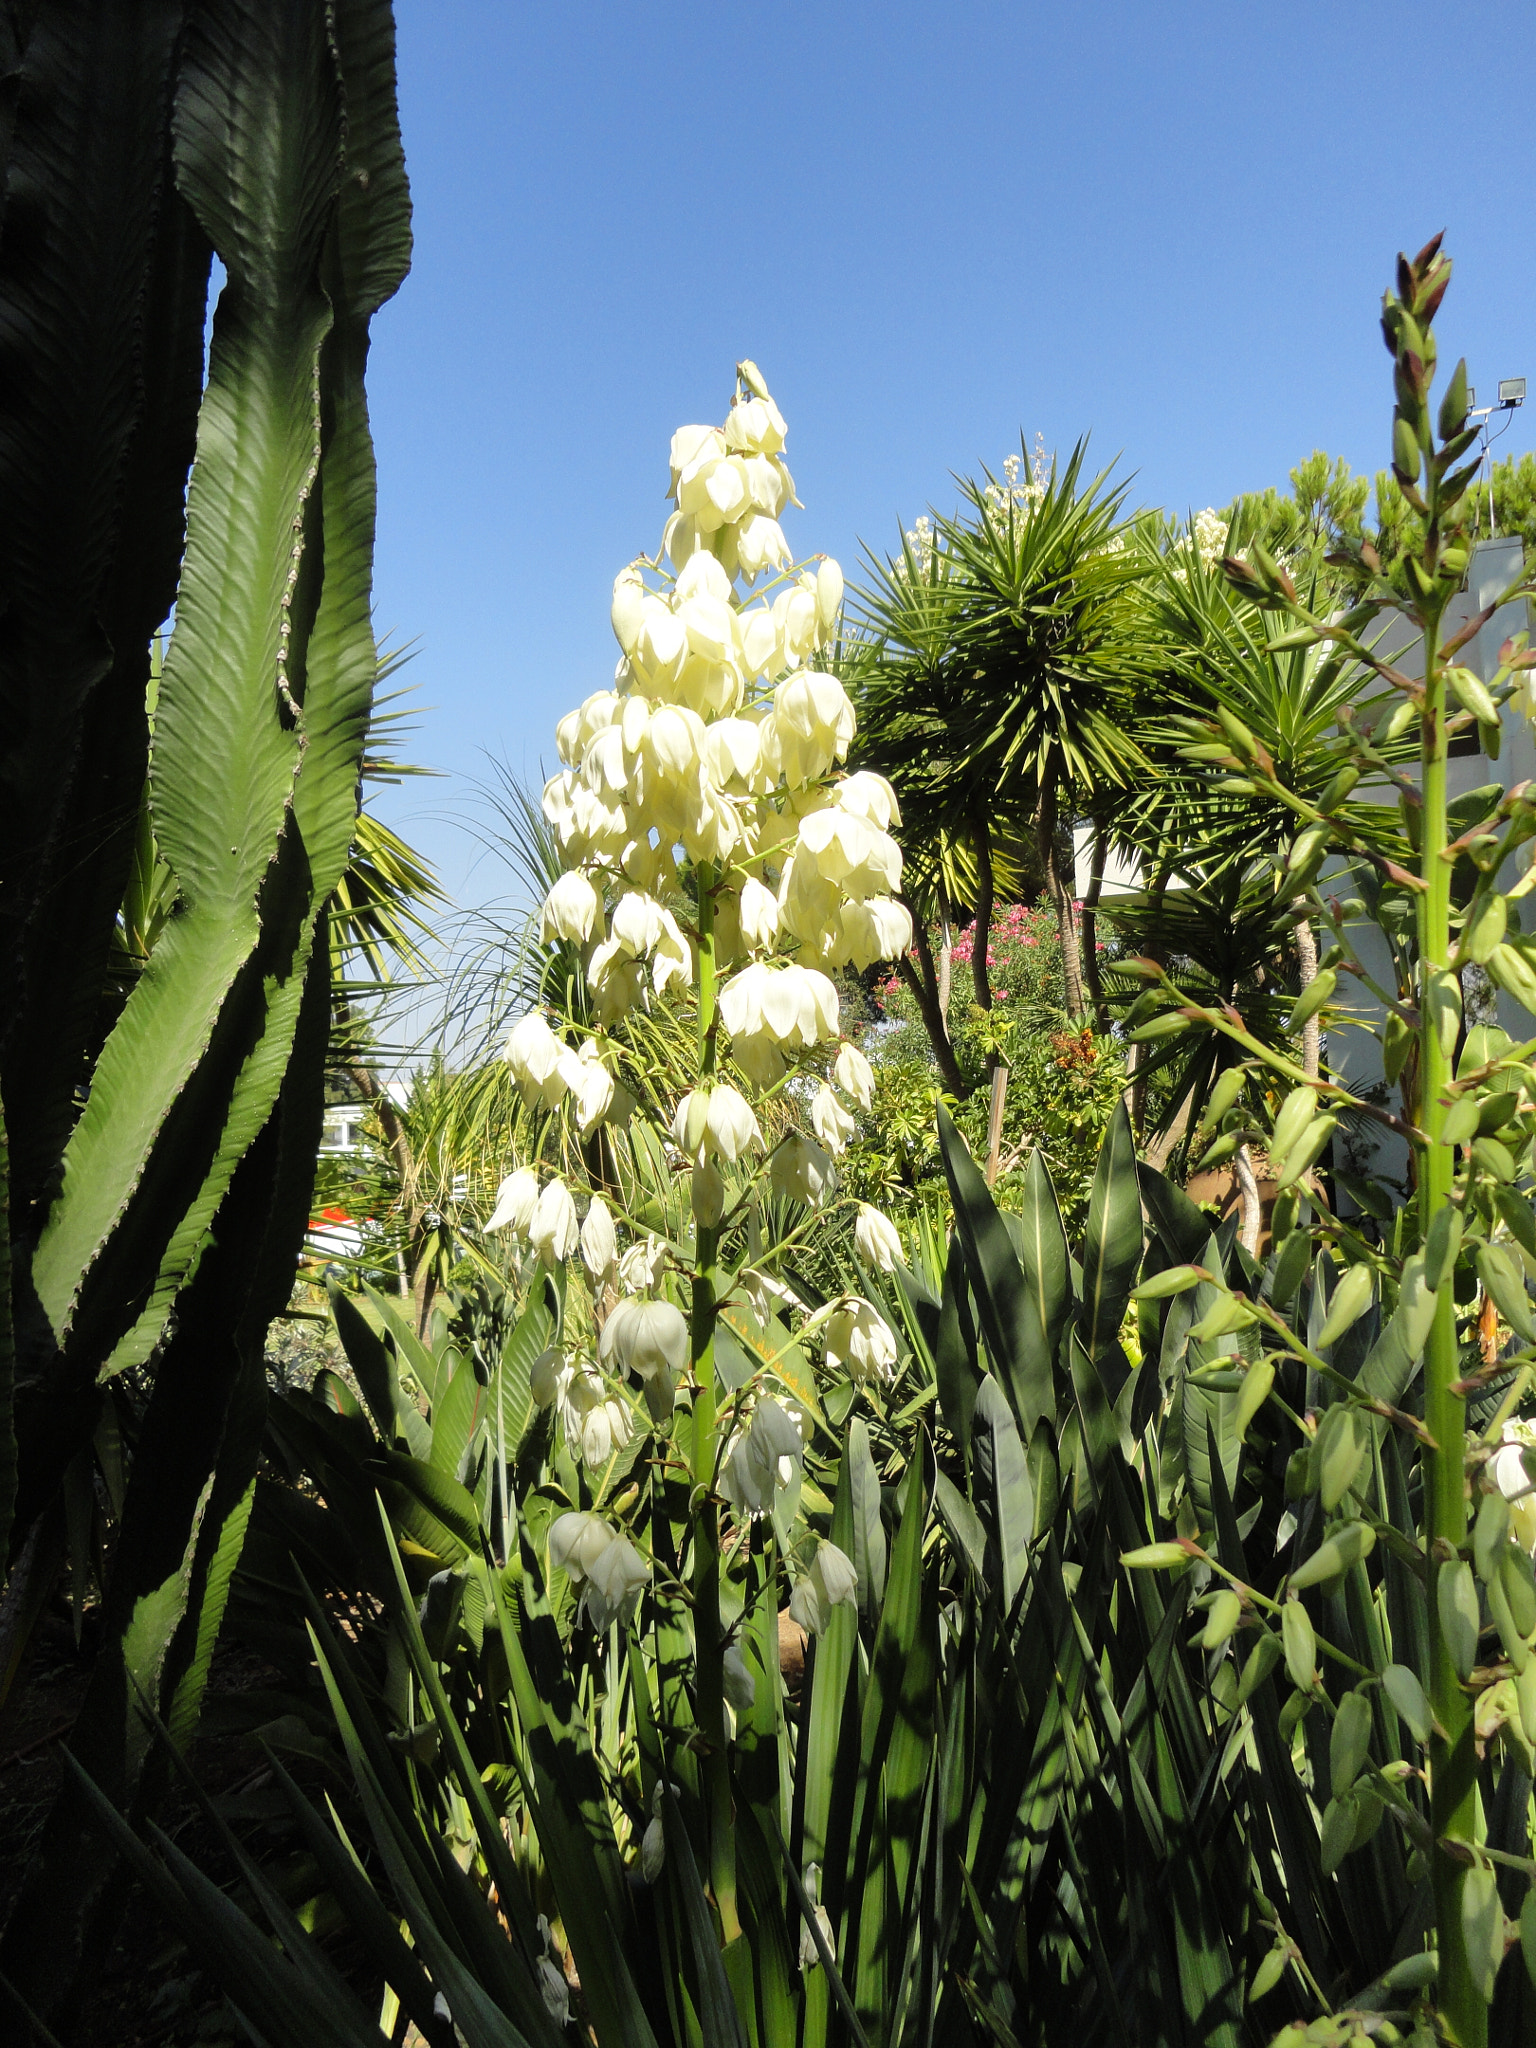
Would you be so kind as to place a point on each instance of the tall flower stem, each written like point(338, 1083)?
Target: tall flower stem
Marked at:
point(708, 1650)
point(1453, 1760)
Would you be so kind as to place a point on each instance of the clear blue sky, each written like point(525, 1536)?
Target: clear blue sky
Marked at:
point(933, 227)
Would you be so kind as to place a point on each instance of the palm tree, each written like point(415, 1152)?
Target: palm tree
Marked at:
point(996, 678)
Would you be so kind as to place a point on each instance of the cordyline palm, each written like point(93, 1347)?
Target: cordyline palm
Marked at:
point(996, 683)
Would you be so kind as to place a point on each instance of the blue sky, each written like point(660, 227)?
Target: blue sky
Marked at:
point(933, 227)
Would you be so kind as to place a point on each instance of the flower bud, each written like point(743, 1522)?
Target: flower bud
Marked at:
point(599, 1244)
point(829, 594)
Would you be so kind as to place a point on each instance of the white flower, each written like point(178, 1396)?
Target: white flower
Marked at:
point(553, 1231)
point(605, 1429)
point(830, 1121)
point(641, 1267)
point(515, 1200)
point(762, 1458)
point(740, 1686)
point(758, 916)
point(860, 1341)
point(760, 543)
point(533, 1053)
point(829, 593)
point(1506, 1468)
point(848, 850)
point(810, 1954)
point(800, 1171)
point(813, 722)
point(599, 1244)
point(879, 928)
point(830, 1582)
point(576, 1542)
point(617, 1574)
point(869, 796)
point(876, 1239)
point(592, 1087)
point(554, 1991)
point(854, 1075)
point(790, 1006)
point(548, 1377)
point(757, 426)
point(718, 1119)
point(570, 910)
point(645, 1337)
point(653, 1850)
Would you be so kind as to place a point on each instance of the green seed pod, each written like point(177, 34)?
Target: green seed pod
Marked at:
point(1512, 970)
point(1268, 1974)
point(1175, 1280)
point(1293, 1713)
point(1317, 992)
point(1339, 1820)
point(1282, 1220)
point(1459, 1124)
point(1472, 694)
point(1300, 1474)
point(1485, 928)
point(1518, 1580)
point(1262, 1659)
point(1460, 1614)
point(1490, 1533)
point(1308, 1149)
point(1290, 1267)
point(1340, 1447)
point(1442, 1005)
point(1307, 850)
point(1396, 1044)
point(1505, 1282)
point(1347, 1545)
point(1155, 1557)
point(1441, 1247)
point(1296, 1112)
point(1226, 1611)
point(1350, 1743)
point(1351, 1299)
point(1228, 1312)
point(1497, 1110)
point(1369, 1809)
point(1482, 1927)
point(1528, 1932)
point(1299, 1640)
point(1525, 1693)
point(1257, 1382)
point(1496, 1160)
point(1403, 1689)
point(1515, 1647)
point(1229, 1085)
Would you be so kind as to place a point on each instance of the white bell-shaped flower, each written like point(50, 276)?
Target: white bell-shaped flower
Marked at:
point(570, 910)
point(577, 1541)
point(762, 641)
point(628, 608)
point(879, 928)
point(617, 982)
point(847, 850)
point(661, 646)
point(854, 1075)
point(829, 593)
point(641, 1267)
point(756, 426)
point(553, 1232)
point(691, 445)
point(605, 1428)
point(830, 1582)
point(599, 1240)
point(533, 1053)
point(706, 1193)
point(645, 1337)
point(718, 1118)
point(760, 545)
point(859, 1341)
point(876, 1239)
point(548, 1377)
point(800, 1171)
point(592, 1089)
point(813, 722)
point(514, 1204)
point(830, 1121)
point(616, 1576)
point(733, 754)
point(758, 915)
point(739, 1684)
point(869, 796)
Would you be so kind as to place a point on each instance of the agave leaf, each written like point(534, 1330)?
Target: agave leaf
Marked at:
point(1112, 1238)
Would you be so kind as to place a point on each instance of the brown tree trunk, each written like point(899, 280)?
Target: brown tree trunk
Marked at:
point(946, 953)
point(1061, 896)
point(1139, 1053)
point(981, 930)
point(1248, 1210)
point(1091, 928)
point(1306, 962)
point(933, 1024)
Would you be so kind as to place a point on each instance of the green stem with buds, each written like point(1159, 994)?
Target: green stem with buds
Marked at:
point(1452, 1755)
point(708, 1646)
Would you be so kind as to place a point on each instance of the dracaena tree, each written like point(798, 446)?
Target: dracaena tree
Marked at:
point(718, 866)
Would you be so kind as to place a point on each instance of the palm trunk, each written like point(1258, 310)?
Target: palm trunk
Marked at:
point(1138, 1053)
point(1306, 961)
point(1091, 927)
point(1061, 897)
point(946, 953)
point(933, 1024)
point(1249, 1213)
point(981, 931)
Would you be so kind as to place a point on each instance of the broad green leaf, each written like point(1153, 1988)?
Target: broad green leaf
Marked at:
point(1112, 1239)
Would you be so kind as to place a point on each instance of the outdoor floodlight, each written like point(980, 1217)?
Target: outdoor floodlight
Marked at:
point(1512, 391)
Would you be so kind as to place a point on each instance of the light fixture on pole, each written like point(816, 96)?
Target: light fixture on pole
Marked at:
point(1511, 394)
